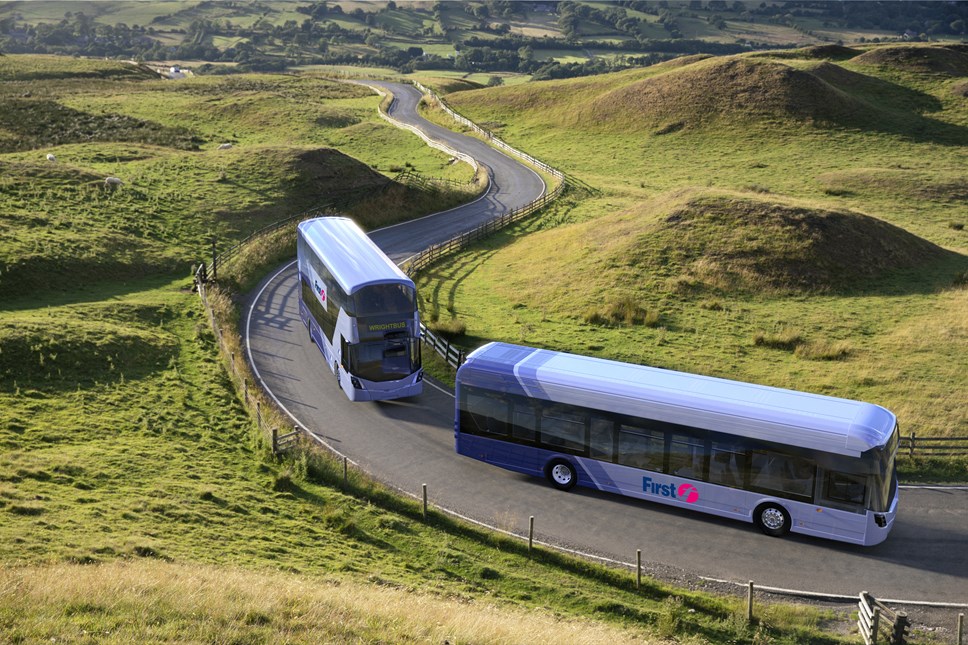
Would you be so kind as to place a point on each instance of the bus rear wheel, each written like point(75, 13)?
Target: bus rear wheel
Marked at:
point(562, 474)
point(772, 519)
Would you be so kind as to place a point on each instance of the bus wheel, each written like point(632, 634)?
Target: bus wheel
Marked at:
point(562, 474)
point(336, 369)
point(772, 519)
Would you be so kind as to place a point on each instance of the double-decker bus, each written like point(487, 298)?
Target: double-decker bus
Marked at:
point(784, 460)
point(360, 309)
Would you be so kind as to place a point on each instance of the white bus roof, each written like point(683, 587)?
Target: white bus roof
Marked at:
point(351, 256)
point(788, 417)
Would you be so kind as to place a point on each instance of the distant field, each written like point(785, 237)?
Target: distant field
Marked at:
point(872, 136)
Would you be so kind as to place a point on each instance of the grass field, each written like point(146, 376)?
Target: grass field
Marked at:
point(696, 161)
point(138, 502)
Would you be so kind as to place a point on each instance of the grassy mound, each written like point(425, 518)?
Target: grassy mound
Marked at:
point(333, 173)
point(46, 68)
point(904, 184)
point(816, 52)
point(724, 90)
point(450, 85)
point(20, 174)
point(703, 241)
point(950, 61)
point(830, 52)
point(733, 241)
point(29, 123)
point(68, 350)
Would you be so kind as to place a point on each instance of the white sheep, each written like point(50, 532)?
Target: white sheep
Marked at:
point(225, 146)
point(112, 181)
point(51, 157)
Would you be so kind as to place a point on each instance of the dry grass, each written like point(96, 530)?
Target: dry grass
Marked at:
point(151, 601)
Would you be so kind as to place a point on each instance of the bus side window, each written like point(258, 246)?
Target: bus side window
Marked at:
point(845, 488)
point(563, 427)
point(484, 414)
point(524, 420)
point(641, 448)
point(726, 465)
point(687, 456)
point(782, 473)
point(601, 440)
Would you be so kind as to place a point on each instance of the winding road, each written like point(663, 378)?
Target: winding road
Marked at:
point(410, 442)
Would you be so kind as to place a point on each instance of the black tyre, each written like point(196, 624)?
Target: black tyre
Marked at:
point(562, 474)
point(772, 519)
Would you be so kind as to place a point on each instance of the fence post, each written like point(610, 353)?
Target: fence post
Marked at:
point(344, 470)
point(214, 261)
point(961, 629)
point(258, 413)
point(425, 502)
point(638, 568)
point(245, 384)
point(900, 628)
point(530, 534)
point(275, 440)
point(875, 625)
point(749, 602)
point(911, 446)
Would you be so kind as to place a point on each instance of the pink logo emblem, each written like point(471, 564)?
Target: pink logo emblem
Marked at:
point(688, 493)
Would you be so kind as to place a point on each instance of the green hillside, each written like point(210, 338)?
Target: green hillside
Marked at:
point(138, 500)
point(776, 219)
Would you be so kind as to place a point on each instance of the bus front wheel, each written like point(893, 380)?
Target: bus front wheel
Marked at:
point(562, 474)
point(772, 519)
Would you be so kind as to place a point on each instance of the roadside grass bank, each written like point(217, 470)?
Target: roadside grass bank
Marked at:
point(151, 600)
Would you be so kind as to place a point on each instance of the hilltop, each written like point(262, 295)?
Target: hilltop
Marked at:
point(950, 60)
point(788, 89)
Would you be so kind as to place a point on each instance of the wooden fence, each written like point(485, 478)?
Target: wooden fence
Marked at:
point(878, 623)
point(934, 446)
point(435, 252)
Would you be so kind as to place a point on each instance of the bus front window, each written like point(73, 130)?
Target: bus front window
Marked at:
point(380, 299)
point(885, 479)
point(386, 360)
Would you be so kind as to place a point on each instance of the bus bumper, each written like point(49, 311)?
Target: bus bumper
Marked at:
point(375, 391)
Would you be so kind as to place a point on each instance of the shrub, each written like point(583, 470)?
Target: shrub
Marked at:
point(788, 339)
point(670, 619)
point(449, 329)
point(594, 317)
point(625, 312)
point(823, 351)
